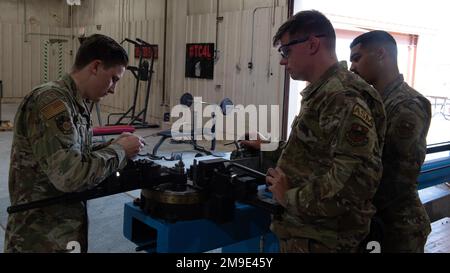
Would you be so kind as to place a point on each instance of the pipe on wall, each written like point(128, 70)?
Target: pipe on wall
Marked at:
point(163, 102)
point(25, 21)
point(218, 20)
point(250, 64)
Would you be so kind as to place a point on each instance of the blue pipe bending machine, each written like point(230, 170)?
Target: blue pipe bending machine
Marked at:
point(225, 207)
point(217, 203)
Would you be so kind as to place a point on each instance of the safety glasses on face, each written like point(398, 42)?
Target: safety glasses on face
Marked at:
point(284, 49)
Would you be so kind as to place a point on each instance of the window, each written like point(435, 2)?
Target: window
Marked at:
point(423, 56)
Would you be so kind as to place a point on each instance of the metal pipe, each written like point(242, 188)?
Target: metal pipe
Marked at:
point(247, 169)
point(438, 147)
point(145, 13)
point(250, 64)
point(270, 24)
point(240, 36)
point(25, 21)
point(163, 103)
point(273, 12)
point(122, 25)
point(93, 11)
point(435, 169)
point(216, 51)
point(129, 18)
point(71, 30)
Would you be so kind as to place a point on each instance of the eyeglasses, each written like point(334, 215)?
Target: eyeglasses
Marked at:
point(284, 49)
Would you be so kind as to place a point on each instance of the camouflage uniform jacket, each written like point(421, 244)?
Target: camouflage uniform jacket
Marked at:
point(52, 154)
point(332, 161)
point(408, 121)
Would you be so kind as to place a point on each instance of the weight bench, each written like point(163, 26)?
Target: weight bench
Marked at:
point(112, 130)
point(108, 130)
point(187, 100)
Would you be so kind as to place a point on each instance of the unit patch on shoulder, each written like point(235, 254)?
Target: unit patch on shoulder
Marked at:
point(53, 108)
point(357, 135)
point(405, 129)
point(64, 125)
point(362, 114)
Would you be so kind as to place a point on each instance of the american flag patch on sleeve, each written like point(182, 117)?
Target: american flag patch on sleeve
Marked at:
point(53, 108)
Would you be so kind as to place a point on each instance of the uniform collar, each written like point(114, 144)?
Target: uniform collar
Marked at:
point(70, 84)
point(392, 86)
point(310, 89)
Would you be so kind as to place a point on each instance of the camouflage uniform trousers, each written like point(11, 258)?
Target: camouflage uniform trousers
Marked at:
point(400, 242)
point(405, 230)
point(305, 245)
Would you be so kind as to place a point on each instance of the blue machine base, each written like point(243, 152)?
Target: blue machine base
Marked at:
point(434, 172)
point(248, 233)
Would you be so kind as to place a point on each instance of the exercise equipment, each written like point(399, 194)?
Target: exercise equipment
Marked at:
point(187, 100)
point(143, 72)
point(113, 130)
point(108, 130)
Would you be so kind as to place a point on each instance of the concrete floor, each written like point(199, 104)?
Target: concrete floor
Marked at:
point(105, 214)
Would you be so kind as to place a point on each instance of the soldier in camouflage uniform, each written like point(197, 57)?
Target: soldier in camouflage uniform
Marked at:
point(330, 167)
point(406, 223)
point(52, 151)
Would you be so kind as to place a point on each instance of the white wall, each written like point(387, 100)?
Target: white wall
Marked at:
point(38, 12)
point(195, 21)
point(26, 58)
point(35, 44)
point(93, 12)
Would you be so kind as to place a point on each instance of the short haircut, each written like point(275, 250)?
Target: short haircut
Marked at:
point(100, 47)
point(308, 22)
point(376, 38)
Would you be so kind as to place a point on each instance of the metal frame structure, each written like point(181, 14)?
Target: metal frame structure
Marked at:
point(143, 72)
